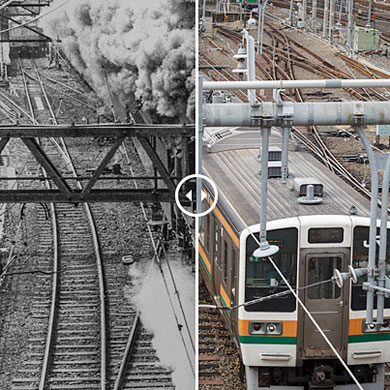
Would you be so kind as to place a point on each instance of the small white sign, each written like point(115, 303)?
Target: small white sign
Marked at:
point(383, 130)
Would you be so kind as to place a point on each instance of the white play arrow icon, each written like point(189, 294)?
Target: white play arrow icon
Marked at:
point(203, 196)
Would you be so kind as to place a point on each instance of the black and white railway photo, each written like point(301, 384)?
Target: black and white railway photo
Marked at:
point(97, 263)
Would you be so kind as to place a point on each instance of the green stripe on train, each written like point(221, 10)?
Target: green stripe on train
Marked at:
point(362, 338)
point(205, 266)
point(224, 303)
point(267, 340)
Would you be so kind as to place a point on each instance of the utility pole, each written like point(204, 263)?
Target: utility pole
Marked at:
point(314, 16)
point(291, 12)
point(331, 19)
point(340, 14)
point(350, 28)
point(326, 17)
point(369, 14)
point(304, 12)
point(260, 28)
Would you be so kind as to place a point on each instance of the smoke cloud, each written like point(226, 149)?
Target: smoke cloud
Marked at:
point(138, 49)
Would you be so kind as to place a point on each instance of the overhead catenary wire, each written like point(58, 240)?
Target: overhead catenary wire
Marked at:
point(177, 293)
point(266, 298)
point(35, 19)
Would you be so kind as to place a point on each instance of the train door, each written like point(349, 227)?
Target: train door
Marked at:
point(326, 302)
point(228, 277)
point(234, 285)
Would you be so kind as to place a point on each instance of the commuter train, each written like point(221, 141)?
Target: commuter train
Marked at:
point(277, 342)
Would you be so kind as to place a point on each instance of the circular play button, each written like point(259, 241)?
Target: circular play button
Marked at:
point(191, 193)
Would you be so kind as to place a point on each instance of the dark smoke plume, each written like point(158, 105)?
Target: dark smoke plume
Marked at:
point(136, 49)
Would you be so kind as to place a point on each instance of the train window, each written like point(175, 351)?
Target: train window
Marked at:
point(202, 231)
point(216, 241)
point(233, 272)
point(321, 269)
point(261, 277)
point(225, 260)
point(326, 235)
point(208, 232)
point(360, 260)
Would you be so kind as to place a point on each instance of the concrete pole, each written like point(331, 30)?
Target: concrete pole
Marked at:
point(291, 14)
point(314, 16)
point(340, 14)
point(373, 215)
point(331, 19)
point(260, 31)
point(326, 17)
point(304, 13)
point(350, 28)
point(369, 14)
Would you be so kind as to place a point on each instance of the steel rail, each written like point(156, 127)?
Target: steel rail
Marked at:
point(27, 92)
point(103, 327)
point(325, 151)
point(65, 94)
point(20, 109)
point(54, 297)
point(127, 353)
point(55, 281)
point(345, 174)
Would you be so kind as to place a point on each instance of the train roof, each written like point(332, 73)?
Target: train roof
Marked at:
point(231, 160)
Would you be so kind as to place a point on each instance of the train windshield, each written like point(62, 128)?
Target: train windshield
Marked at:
point(360, 260)
point(261, 277)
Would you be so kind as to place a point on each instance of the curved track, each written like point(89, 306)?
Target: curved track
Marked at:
point(79, 341)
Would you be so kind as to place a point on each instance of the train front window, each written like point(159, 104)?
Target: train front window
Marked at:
point(360, 260)
point(261, 277)
point(320, 269)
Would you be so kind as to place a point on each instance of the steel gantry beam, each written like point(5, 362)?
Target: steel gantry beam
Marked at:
point(163, 183)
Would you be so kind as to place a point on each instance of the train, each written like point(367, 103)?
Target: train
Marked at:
point(277, 342)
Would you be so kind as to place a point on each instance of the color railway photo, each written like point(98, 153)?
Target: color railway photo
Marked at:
point(294, 112)
point(97, 262)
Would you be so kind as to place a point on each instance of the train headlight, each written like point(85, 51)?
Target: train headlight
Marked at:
point(271, 328)
point(265, 328)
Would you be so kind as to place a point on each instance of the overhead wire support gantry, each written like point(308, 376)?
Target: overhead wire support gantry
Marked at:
point(119, 133)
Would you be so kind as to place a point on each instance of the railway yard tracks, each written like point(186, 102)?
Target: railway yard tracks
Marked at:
point(82, 332)
point(279, 61)
point(219, 366)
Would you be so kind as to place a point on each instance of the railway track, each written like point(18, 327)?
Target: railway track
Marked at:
point(318, 147)
point(85, 335)
point(382, 15)
point(219, 366)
